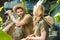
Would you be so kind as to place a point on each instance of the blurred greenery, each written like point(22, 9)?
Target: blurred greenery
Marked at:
point(1, 8)
point(1, 19)
point(27, 11)
point(54, 6)
point(44, 1)
point(55, 11)
point(1, 23)
point(57, 17)
point(4, 36)
point(2, 2)
point(23, 2)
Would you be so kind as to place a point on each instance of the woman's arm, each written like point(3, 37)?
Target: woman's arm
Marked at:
point(42, 37)
point(43, 34)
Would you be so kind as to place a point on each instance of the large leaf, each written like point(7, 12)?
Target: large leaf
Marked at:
point(1, 19)
point(27, 11)
point(4, 36)
point(23, 2)
point(57, 17)
point(54, 6)
point(1, 8)
point(44, 1)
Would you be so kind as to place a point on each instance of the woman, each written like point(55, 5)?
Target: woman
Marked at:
point(41, 27)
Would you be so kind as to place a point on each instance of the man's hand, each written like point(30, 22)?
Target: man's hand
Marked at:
point(9, 12)
point(18, 23)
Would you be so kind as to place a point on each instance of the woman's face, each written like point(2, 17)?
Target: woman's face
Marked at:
point(37, 11)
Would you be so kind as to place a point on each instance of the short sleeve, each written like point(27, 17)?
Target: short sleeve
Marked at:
point(44, 25)
point(41, 24)
point(27, 18)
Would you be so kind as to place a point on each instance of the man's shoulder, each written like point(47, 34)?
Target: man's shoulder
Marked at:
point(27, 15)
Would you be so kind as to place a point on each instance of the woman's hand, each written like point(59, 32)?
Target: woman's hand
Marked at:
point(29, 37)
point(32, 35)
point(34, 38)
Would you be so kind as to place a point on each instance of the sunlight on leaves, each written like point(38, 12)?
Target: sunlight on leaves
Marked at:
point(57, 17)
point(1, 8)
point(1, 19)
point(4, 36)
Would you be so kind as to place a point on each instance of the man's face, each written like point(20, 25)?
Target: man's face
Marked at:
point(19, 12)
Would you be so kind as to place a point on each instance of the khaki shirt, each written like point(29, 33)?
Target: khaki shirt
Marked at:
point(28, 27)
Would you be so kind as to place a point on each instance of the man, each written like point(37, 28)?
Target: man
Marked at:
point(24, 25)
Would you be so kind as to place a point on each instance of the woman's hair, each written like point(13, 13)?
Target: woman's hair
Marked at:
point(18, 6)
point(38, 11)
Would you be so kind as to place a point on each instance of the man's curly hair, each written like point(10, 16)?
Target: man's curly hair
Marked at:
point(18, 6)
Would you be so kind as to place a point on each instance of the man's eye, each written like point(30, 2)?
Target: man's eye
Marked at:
point(20, 11)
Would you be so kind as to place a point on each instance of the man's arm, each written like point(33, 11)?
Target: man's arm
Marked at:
point(27, 19)
point(10, 13)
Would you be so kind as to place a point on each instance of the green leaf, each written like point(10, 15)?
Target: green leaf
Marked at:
point(27, 11)
point(44, 1)
point(54, 6)
point(57, 17)
point(4, 36)
point(23, 2)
